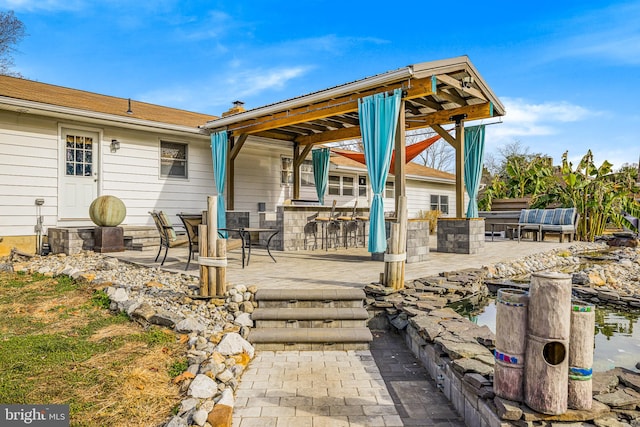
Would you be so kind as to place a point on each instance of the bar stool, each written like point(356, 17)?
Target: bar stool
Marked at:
point(362, 220)
point(311, 229)
point(350, 227)
point(325, 222)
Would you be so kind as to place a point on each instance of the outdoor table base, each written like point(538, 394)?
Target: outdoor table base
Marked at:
point(245, 237)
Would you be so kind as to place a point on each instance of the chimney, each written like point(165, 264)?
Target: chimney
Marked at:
point(238, 107)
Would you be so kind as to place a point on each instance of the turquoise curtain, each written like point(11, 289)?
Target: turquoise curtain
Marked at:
point(378, 122)
point(473, 161)
point(219, 155)
point(320, 161)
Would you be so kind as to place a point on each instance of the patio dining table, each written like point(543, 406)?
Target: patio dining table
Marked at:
point(245, 236)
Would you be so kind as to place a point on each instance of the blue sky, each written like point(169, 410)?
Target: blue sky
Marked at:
point(567, 71)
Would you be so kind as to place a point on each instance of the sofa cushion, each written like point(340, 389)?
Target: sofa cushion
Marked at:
point(547, 216)
point(529, 216)
point(564, 216)
point(559, 228)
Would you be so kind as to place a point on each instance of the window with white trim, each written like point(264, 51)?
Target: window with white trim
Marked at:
point(173, 160)
point(389, 190)
point(362, 185)
point(341, 185)
point(440, 203)
point(306, 172)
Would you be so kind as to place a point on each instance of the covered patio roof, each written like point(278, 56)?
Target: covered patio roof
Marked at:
point(434, 94)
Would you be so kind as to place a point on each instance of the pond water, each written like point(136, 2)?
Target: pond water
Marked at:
point(617, 332)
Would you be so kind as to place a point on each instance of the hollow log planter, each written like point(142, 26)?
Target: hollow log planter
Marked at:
point(546, 358)
point(511, 332)
point(581, 343)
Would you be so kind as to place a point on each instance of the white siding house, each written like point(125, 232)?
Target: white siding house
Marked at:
point(60, 148)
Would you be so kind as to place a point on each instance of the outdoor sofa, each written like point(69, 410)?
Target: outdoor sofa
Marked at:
point(563, 221)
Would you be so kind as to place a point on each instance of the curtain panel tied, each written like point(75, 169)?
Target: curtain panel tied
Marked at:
point(378, 122)
point(473, 162)
point(320, 162)
point(219, 155)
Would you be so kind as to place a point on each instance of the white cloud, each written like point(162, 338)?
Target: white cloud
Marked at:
point(217, 94)
point(524, 119)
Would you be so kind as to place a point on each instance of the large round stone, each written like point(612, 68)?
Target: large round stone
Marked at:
point(107, 211)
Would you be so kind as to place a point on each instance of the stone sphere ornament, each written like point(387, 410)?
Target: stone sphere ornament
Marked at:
point(107, 211)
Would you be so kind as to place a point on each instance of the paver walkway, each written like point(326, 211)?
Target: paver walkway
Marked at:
point(313, 389)
point(414, 393)
point(351, 267)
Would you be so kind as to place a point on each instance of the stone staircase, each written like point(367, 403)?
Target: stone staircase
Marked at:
point(310, 319)
point(140, 237)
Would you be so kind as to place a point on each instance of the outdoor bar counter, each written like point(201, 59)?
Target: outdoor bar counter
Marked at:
point(291, 219)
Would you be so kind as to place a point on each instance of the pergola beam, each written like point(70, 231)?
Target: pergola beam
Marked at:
point(334, 107)
point(445, 135)
point(443, 117)
point(457, 84)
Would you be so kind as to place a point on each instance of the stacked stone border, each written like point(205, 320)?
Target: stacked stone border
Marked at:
point(459, 354)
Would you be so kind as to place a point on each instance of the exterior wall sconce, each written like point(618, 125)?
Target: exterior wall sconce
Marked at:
point(115, 145)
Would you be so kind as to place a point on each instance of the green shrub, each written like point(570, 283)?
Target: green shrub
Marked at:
point(432, 216)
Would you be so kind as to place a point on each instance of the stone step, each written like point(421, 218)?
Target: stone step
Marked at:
point(310, 314)
point(310, 294)
point(325, 323)
point(329, 317)
point(310, 319)
point(312, 298)
point(310, 335)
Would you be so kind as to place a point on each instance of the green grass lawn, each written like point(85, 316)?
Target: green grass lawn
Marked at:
point(59, 344)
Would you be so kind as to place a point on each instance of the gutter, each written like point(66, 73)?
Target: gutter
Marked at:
point(133, 122)
point(381, 79)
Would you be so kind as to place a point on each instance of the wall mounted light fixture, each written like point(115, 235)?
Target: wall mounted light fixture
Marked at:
point(115, 145)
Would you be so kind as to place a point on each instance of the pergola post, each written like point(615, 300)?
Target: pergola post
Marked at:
point(459, 164)
point(400, 185)
point(298, 158)
point(395, 258)
point(234, 149)
point(296, 171)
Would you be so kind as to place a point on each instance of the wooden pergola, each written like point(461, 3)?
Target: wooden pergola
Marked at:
point(434, 94)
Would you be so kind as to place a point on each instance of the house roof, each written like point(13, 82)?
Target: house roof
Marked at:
point(45, 97)
point(412, 169)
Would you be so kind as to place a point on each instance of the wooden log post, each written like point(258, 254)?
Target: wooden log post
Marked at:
point(511, 332)
point(546, 358)
point(212, 238)
point(221, 272)
point(203, 253)
point(396, 254)
point(581, 342)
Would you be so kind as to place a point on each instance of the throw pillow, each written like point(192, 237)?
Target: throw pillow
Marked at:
point(547, 216)
point(563, 216)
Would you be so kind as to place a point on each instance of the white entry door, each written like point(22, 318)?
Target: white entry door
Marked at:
point(79, 182)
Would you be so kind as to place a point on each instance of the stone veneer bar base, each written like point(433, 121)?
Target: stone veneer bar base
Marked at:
point(460, 235)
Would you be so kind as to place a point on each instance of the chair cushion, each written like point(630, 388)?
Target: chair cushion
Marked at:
point(564, 216)
point(167, 223)
point(547, 216)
